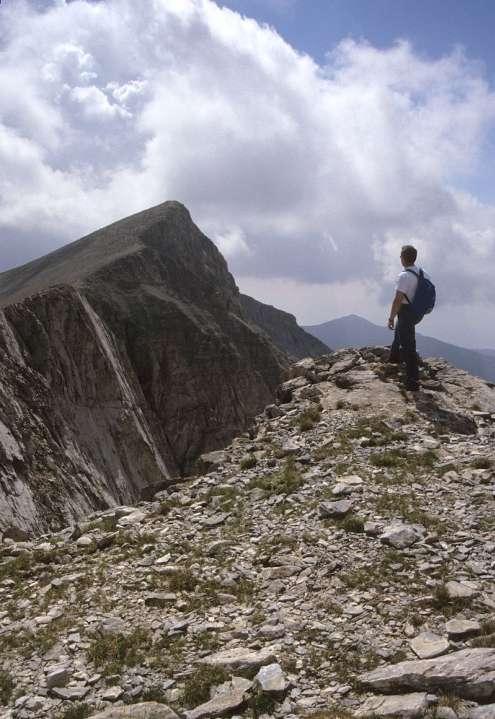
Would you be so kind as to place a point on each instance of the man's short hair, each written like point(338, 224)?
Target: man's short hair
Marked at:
point(409, 253)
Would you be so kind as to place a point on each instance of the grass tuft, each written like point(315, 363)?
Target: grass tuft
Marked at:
point(198, 684)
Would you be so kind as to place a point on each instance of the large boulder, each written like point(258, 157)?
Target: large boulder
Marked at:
point(469, 673)
point(144, 710)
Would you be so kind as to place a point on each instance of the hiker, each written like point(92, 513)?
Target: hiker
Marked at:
point(414, 297)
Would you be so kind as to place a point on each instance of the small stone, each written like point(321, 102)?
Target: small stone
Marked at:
point(428, 645)
point(352, 479)
point(240, 658)
point(461, 590)
point(112, 625)
point(216, 520)
point(135, 517)
point(400, 535)
point(271, 679)
point(70, 693)
point(335, 509)
point(373, 529)
point(57, 677)
point(85, 541)
point(462, 628)
point(341, 489)
point(112, 694)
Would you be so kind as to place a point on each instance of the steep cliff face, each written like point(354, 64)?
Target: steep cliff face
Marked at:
point(282, 329)
point(123, 356)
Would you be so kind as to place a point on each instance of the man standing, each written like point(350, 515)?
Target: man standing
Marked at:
point(405, 330)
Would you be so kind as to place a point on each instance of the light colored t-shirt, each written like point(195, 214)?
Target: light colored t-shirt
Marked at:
point(408, 283)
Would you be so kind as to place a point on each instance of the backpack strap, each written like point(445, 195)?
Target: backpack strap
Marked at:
point(416, 274)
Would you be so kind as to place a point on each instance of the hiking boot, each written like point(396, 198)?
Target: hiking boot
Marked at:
point(412, 387)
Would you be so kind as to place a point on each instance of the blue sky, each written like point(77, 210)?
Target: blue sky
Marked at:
point(433, 27)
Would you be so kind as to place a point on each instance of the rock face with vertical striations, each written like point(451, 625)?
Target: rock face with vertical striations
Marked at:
point(123, 356)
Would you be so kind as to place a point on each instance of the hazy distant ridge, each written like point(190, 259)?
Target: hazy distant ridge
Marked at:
point(355, 331)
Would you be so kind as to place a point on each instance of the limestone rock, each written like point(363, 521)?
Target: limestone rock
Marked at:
point(462, 628)
point(218, 706)
point(70, 693)
point(461, 590)
point(483, 712)
point(57, 677)
point(406, 706)
point(145, 710)
point(240, 659)
point(428, 645)
point(335, 509)
point(271, 679)
point(94, 337)
point(400, 535)
point(468, 673)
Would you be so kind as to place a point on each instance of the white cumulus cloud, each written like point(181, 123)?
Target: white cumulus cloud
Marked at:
point(306, 176)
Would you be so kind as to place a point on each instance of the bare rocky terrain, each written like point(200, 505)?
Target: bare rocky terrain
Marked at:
point(335, 560)
point(123, 356)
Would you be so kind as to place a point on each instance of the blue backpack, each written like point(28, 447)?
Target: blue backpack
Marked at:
point(424, 299)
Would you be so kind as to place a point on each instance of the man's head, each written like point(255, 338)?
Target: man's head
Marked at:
point(408, 255)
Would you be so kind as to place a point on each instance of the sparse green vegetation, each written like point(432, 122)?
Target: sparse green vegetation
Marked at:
point(105, 524)
point(450, 700)
point(486, 640)
point(112, 652)
point(261, 703)
point(197, 685)
point(78, 711)
point(405, 505)
point(487, 634)
point(285, 481)
point(6, 687)
point(309, 418)
point(182, 581)
point(482, 463)
point(442, 601)
point(248, 462)
point(16, 568)
point(351, 523)
point(167, 505)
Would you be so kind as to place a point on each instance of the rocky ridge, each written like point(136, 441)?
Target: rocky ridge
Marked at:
point(336, 560)
point(123, 356)
point(283, 330)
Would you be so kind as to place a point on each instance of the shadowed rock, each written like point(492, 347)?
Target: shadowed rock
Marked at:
point(123, 356)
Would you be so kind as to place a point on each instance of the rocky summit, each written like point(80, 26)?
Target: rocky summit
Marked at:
point(335, 560)
point(123, 356)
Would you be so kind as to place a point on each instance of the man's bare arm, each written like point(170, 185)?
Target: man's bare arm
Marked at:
point(394, 310)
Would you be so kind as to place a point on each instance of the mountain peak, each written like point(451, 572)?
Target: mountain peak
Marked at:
point(75, 262)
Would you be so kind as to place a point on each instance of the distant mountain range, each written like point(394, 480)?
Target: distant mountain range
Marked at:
point(355, 331)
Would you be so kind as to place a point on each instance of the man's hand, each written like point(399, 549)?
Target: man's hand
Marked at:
point(394, 310)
